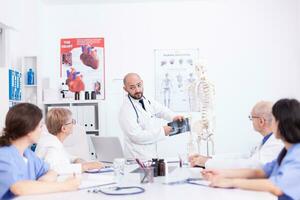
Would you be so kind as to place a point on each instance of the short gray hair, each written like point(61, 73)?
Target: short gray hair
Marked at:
point(264, 109)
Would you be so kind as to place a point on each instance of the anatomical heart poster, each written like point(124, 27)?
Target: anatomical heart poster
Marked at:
point(82, 65)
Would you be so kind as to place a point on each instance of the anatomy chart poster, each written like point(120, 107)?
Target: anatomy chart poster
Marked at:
point(175, 73)
point(82, 64)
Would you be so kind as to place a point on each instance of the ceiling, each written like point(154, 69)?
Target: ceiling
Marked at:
point(62, 2)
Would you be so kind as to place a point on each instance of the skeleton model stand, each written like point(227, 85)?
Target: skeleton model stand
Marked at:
point(201, 94)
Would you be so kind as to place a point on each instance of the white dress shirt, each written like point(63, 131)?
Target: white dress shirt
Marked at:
point(50, 148)
point(142, 129)
point(260, 155)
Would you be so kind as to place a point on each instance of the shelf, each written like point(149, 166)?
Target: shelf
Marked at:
point(93, 130)
point(71, 101)
point(30, 92)
point(92, 133)
point(19, 101)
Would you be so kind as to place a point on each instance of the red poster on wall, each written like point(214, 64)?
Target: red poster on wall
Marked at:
point(82, 65)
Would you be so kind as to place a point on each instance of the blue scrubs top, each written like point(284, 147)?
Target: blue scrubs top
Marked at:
point(286, 176)
point(13, 168)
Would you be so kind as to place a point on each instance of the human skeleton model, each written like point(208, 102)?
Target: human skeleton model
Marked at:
point(166, 89)
point(202, 94)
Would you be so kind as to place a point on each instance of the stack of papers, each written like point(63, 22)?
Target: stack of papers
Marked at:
point(92, 180)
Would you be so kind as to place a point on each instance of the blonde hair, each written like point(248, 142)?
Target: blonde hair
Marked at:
point(56, 118)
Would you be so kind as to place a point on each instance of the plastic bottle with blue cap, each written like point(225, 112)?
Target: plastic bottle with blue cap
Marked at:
point(30, 77)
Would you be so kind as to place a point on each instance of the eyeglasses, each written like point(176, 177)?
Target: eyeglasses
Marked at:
point(251, 117)
point(72, 122)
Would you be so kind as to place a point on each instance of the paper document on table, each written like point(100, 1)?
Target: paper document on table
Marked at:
point(93, 180)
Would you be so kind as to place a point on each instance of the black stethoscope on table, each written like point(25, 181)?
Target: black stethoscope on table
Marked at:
point(136, 113)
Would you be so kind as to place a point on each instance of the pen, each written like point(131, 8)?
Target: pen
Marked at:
point(140, 163)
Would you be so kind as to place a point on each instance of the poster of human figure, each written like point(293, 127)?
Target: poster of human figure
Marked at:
point(175, 72)
point(82, 65)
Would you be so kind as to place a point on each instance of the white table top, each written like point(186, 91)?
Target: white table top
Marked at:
point(158, 190)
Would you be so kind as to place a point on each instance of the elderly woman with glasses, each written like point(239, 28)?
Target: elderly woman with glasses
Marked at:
point(50, 147)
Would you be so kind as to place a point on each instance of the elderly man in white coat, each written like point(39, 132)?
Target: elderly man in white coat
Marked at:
point(138, 120)
point(266, 151)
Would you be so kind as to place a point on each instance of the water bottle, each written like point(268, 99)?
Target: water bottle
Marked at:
point(119, 165)
point(30, 77)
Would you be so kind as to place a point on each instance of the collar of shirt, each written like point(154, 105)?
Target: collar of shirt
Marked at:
point(20, 158)
point(265, 139)
point(52, 140)
point(137, 103)
point(16, 151)
point(294, 149)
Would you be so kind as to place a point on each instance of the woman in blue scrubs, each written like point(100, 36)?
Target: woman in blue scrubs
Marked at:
point(21, 171)
point(281, 176)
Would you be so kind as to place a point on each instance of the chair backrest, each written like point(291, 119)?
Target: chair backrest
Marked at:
point(77, 143)
point(107, 148)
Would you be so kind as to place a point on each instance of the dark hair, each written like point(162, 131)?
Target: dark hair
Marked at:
point(287, 114)
point(20, 120)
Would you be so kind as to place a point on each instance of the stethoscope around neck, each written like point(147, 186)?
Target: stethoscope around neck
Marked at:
point(136, 113)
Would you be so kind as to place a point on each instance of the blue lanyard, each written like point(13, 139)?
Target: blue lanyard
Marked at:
point(116, 191)
point(265, 139)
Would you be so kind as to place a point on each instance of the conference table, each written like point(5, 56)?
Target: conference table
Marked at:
point(158, 189)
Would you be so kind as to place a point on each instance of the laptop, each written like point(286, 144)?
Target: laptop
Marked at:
point(107, 148)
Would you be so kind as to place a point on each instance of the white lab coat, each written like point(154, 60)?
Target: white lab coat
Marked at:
point(260, 155)
point(142, 133)
point(51, 150)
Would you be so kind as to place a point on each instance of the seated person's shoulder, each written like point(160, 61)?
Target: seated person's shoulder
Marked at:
point(7, 155)
point(6, 151)
point(28, 152)
point(47, 140)
point(293, 155)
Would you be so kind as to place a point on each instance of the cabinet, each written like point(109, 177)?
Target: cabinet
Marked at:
point(11, 91)
point(14, 86)
point(86, 113)
point(30, 81)
point(4, 95)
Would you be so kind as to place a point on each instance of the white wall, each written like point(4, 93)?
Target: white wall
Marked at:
point(252, 48)
point(10, 11)
point(21, 19)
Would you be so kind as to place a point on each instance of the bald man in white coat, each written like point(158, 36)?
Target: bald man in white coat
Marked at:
point(138, 119)
point(264, 152)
